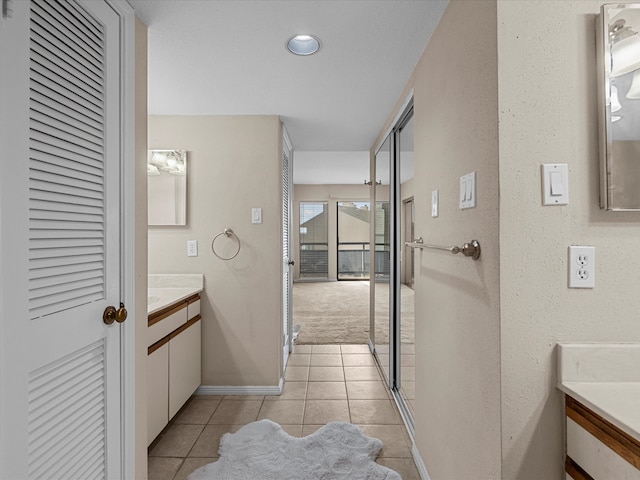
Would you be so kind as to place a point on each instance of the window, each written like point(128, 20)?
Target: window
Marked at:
point(314, 246)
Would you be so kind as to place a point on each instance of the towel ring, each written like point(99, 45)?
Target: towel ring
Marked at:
point(227, 232)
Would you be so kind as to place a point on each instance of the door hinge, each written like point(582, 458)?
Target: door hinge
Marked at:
point(7, 8)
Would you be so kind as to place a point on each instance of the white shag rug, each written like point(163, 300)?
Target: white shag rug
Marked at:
point(263, 451)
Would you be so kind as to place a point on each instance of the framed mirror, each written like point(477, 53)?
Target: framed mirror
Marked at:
point(167, 187)
point(619, 106)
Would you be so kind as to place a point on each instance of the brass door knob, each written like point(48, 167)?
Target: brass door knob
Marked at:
point(121, 314)
point(109, 315)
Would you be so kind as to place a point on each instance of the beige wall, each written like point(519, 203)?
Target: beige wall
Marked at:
point(234, 165)
point(547, 102)
point(332, 194)
point(492, 101)
point(457, 300)
point(140, 254)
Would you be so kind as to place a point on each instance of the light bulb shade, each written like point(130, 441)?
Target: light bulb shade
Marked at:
point(634, 89)
point(152, 170)
point(615, 101)
point(625, 55)
point(170, 161)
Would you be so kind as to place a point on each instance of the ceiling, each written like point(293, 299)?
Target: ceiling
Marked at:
point(228, 57)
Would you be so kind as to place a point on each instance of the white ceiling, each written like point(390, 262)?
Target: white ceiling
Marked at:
point(217, 57)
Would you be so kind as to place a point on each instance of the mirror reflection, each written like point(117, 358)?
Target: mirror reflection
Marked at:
point(167, 187)
point(619, 56)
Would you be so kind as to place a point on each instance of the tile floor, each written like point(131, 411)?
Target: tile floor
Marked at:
point(324, 383)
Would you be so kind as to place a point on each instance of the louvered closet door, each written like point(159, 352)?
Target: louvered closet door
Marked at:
point(60, 240)
point(287, 183)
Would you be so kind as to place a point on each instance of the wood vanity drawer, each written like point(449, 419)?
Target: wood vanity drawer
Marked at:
point(164, 323)
point(596, 449)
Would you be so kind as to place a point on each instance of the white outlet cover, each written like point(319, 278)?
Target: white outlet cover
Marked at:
point(192, 248)
point(582, 267)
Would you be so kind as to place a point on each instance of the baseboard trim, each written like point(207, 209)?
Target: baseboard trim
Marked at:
point(240, 390)
point(422, 469)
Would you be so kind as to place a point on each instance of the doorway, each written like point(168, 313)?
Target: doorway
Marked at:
point(353, 240)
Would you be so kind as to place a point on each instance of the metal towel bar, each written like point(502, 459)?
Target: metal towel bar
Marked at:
point(471, 249)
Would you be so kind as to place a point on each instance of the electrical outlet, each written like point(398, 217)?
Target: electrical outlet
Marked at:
point(192, 248)
point(582, 267)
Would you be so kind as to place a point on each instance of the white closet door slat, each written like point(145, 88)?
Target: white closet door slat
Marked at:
point(49, 105)
point(68, 35)
point(74, 422)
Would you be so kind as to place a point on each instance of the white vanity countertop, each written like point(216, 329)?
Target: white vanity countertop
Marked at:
point(604, 377)
point(164, 290)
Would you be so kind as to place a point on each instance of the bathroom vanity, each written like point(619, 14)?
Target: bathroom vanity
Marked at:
point(174, 346)
point(601, 383)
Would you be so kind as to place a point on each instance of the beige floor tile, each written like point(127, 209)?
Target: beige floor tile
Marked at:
point(309, 429)
point(296, 374)
point(361, 373)
point(326, 360)
point(408, 360)
point(284, 411)
point(301, 360)
point(293, 430)
point(319, 412)
point(367, 390)
point(374, 412)
point(404, 466)
point(189, 465)
point(244, 397)
point(326, 391)
point(408, 390)
point(290, 391)
point(326, 374)
point(176, 441)
point(395, 441)
point(197, 411)
point(349, 349)
point(163, 468)
point(301, 349)
point(326, 349)
point(209, 440)
point(408, 348)
point(359, 360)
point(234, 412)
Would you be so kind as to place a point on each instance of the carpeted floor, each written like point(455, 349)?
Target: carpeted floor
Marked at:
point(338, 312)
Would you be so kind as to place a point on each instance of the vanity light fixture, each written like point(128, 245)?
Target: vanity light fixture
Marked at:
point(171, 161)
point(615, 101)
point(303, 44)
point(625, 48)
point(634, 89)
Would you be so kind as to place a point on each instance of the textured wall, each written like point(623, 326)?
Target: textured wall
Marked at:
point(547, 78)
point(233, 165)
point(457, 299)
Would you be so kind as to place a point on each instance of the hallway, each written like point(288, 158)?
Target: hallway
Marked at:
point(324, 383)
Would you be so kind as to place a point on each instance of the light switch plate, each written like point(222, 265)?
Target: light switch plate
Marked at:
point(434, 203)
point(555, 184)
point(256, 215)
point(468, 191)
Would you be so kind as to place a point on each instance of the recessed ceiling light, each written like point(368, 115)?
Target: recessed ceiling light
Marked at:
point(303, 44)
